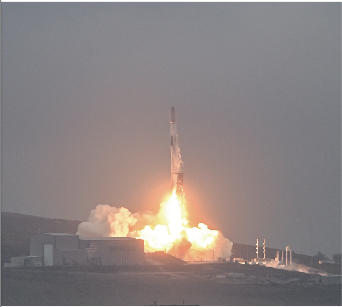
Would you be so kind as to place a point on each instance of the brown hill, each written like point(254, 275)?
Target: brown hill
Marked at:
point(16, 230)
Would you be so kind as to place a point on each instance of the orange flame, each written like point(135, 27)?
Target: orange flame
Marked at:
point(168, 231)
point(174, 235)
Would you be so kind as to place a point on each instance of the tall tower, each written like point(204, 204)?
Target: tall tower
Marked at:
point(257, 248)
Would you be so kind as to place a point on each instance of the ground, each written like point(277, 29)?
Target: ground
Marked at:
point(163, 285)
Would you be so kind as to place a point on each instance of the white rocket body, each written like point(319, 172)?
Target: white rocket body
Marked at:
point(176, 161)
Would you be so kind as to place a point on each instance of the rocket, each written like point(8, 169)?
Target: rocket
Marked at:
point(176, 161)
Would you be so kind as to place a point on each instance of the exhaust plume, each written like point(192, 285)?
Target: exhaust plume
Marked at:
point(168, 230)
point(165, 231)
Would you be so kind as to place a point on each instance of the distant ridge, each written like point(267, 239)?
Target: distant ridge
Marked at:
point(17, 228)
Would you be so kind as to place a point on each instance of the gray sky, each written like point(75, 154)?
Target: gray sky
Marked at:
point(86, 93)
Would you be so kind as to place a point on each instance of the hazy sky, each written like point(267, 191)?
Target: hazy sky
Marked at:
point(86, 94)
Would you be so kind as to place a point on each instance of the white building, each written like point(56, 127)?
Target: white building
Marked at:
point(54, 249)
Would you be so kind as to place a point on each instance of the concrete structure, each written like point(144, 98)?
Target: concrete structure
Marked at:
point(257, 249)
point(55, 249)
point(58, 249)
point(288, 252)
point(25, 261)
point(114, 250)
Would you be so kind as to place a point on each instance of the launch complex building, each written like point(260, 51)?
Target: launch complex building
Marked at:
point(54, 249)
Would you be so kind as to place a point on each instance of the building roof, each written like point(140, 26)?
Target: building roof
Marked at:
point(106, 238)
point(59, 234)
point(89, 238)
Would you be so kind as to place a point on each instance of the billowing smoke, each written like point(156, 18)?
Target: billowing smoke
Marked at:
point(163, 231)
point(294, 267)
point(106, 221)
point(168, 230)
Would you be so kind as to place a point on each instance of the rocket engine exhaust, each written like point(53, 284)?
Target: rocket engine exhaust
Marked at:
point(176, 160)
point(168, 230)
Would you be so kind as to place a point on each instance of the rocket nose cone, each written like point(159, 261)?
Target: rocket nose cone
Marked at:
point(172, 115)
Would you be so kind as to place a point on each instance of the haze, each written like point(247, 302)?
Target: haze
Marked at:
point(86, 94)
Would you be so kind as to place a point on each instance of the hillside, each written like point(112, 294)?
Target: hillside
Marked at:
point(16, 230)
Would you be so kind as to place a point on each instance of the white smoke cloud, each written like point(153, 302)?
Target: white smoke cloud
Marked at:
point(168, 230)
point(106, 221)
point(294, 267)
point(191, 243)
